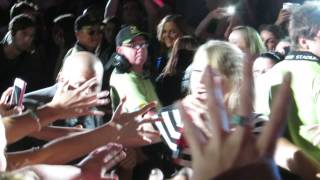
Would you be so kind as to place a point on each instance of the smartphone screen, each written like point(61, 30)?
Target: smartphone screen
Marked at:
point(19, 88)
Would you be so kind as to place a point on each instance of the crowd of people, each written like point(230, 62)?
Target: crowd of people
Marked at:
point(100, 76)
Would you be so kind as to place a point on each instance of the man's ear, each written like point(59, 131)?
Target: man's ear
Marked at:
point(77, 34)
point(119, 50)
point(59, 77)
point(303, 43)
point(318, 35)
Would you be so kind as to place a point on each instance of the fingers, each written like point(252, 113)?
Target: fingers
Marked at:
point(197, 102)
point(131, 159)
point(239, 146)
point(95, 113)
point(7, 110)
point(217, 113)
point(111, 176)
point(114, 161)
point(199, 117)
point(87, 85)
point(92, 100)
point(106, 148)
point(110, 154)
point(16, 110)
point(63, 87)
point(273, 128)
point(316, 139)
point(150, 120)
point(102, 94)
point(145, 109)
point(284, 12)
point(5, 95)
point(119, 109)
point(190, 131)
point(88, 102)
point(143, 132)
point(246, 90)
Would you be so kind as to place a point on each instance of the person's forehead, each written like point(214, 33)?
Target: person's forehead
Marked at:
point(30, 29)
point(81, 70)
point(170, 25)
point(235, 34)
point(266, 34)
point(130, 4)
point(138, 39)
point(94, 26)
point(262, 61)
point(199, 65)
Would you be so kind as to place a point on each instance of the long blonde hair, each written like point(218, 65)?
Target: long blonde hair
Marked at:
point(228, 60)
point(252, 39)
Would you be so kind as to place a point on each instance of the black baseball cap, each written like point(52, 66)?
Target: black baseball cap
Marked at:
point(85, 20)
point(128, 33)
point(20, 22)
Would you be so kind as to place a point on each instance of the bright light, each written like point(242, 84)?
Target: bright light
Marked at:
point(231, 10)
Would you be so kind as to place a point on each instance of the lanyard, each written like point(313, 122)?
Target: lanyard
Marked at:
point(302, 55)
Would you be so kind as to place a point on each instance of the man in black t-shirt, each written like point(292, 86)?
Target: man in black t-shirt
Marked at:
point(18, 57)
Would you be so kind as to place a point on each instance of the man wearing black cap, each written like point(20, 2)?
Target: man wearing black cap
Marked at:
point(88, 32)
point(129, 78)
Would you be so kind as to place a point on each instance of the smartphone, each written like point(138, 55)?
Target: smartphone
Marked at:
point(19, 88)
point(290, 6)
point(230, 10)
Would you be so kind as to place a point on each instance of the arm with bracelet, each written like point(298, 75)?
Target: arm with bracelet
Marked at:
point(65, 104)
point(65, 149)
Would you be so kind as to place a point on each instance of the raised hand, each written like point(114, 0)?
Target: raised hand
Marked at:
point(227, 150)
point(5, 108)
point(128, 123)
point(99, 161)
point(283, 17)
point(312, 132)
point(79, 101)
point(218, 13)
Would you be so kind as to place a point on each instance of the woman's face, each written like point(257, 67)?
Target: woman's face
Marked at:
point(170, 33)
point(269, 39)
point(236, 37)
point(110, 32)
point(197, 83)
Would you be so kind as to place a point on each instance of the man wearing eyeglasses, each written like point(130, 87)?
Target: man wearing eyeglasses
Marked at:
point(129, 79)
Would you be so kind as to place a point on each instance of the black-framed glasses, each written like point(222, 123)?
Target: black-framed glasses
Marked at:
point(136, 46)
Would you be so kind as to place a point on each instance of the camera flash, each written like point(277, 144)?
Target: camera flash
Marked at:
point(231, 10)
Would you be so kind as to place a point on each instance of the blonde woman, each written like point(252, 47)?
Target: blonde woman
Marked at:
point(226, 60)
point(169, 29)
point(248, 40)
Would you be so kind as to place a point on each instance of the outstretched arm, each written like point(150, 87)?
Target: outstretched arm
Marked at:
point(111, 8)
point(94, 166)
point(122, 127)
point(53, 132)
point(292, 158)
point(201, 30)
point(65, 104)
